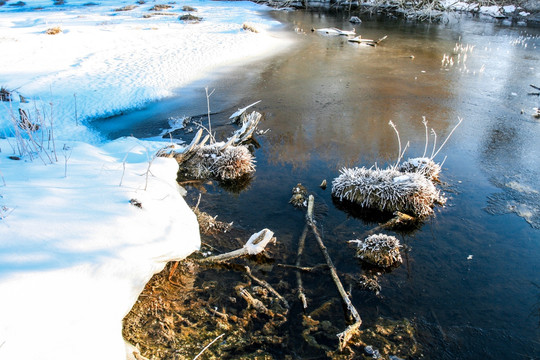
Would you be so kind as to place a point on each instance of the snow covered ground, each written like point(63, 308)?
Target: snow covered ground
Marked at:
point(84, 224)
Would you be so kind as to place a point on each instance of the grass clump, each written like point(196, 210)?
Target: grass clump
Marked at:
point(18, 3)
point(5, 94)
point(249, 27)
point(53, 31)
point(387, 190)
point(127, 8)
point(189, 8)
point(160, 7)
point(190, 18)
point(59, 2)
point(379, 250)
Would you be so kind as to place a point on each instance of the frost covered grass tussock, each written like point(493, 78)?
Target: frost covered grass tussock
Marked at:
point(223, 161)
point(387, 190)
point(380, 250)
point(407, 186)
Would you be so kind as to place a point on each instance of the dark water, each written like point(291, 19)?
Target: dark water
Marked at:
point(327, 104)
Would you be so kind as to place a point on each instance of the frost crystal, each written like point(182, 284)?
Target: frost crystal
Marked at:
point(423, 165)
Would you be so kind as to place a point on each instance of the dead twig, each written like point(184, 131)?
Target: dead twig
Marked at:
point(304, 268)
point(207, 346)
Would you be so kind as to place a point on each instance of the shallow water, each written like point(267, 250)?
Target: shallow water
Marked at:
point(327, 104)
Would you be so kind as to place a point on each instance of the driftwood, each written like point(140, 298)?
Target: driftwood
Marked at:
point(346, 335)
point(255, 245)
point(335, 31)
point(239, 137)
point(237, 115)
point(249, 125)
point(369, 42)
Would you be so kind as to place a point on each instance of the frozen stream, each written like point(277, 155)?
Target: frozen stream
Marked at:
point(471, 274)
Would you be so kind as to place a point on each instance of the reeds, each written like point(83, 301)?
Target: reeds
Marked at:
point(407, 186)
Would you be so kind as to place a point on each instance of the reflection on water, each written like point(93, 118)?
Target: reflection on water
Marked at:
point(468, 276)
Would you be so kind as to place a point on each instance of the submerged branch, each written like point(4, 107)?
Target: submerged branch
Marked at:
point(301, 243)
point(267, 286)
point(346, 335)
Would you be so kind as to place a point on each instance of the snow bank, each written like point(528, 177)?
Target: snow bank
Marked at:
point(106, 61)
point(76, 249)
point(75, 253)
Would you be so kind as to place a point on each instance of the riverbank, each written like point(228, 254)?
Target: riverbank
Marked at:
point(85, 223)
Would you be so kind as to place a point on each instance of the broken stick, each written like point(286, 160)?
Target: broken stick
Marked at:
point(267, 286)
point(346, 335)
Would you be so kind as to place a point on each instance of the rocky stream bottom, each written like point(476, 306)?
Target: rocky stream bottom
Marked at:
point(227, 310)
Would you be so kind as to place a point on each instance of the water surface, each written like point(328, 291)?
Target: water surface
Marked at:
point(469, 274)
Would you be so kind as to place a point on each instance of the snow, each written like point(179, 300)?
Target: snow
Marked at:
point(106, 61)
point(75, 248)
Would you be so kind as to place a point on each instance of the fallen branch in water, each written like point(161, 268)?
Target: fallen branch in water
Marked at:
point(255, 245)
point(267, 286)
point(346, 335)
point(305, 268)
point(301, 243)
point(399, 219)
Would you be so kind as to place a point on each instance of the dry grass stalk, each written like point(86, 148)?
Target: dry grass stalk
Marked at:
point(54, 30)
point(208, 225)
point(249, 27)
